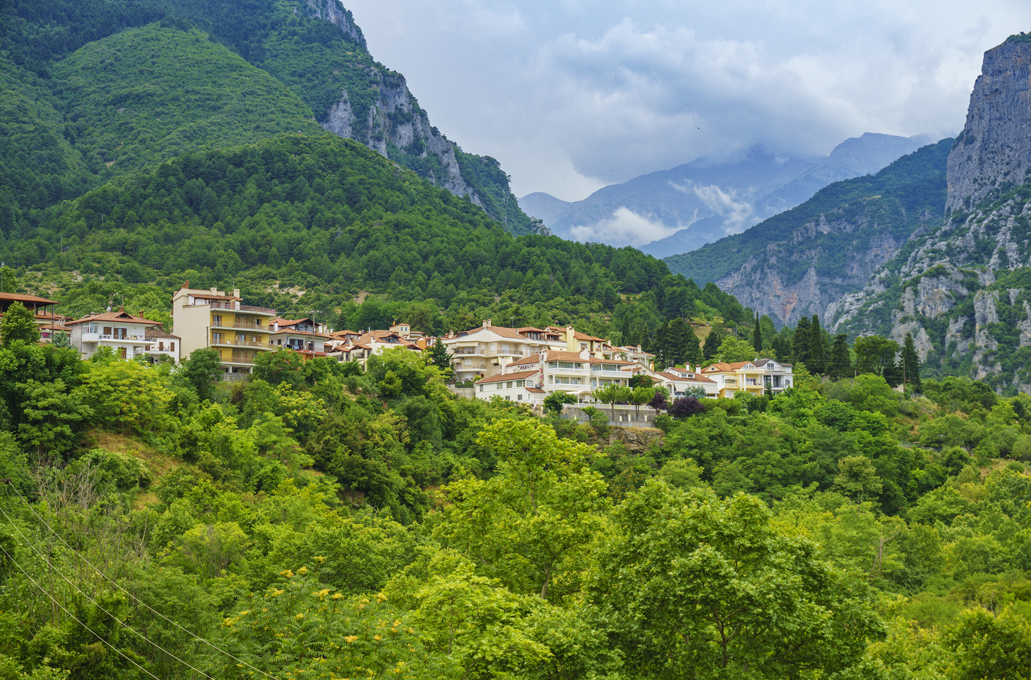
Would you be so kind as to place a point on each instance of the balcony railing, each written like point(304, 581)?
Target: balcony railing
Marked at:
point(257, 310)
point(242, 326)
point(239, 343)
point(98, 337)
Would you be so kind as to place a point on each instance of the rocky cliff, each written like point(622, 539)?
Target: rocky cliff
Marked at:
point(994, 151)
point(964, 289)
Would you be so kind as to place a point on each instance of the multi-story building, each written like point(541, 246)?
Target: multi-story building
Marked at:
point(485, 351)
point(534, 377)
point(123, 333)
point(754, 377)
point(211, 318)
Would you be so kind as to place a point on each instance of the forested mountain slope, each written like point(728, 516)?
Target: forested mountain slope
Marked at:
point(332, 221)
point(313, 48)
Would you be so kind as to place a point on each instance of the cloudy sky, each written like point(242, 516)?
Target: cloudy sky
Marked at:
point(571, 95)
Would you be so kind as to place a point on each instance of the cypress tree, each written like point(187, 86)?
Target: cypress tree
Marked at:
point(841, 361)
point(757, 336)
point(817, 363)
point(800, 342)
point(910, 363)
point(624, 333)
point(661, 345)
point(712, 344)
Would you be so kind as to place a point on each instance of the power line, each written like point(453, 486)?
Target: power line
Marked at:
point(97, 604)
point(75, 618)
point(136, 599)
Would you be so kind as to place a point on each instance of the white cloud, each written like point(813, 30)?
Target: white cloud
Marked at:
point(737, 214)
point(625, 227)
point(573, 94)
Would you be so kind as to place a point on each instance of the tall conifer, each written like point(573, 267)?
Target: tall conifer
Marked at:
point(910, 363)
point(757, 336)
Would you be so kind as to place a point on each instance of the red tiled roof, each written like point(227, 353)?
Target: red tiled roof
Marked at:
point(696, 378)
point(502, 377)
point(535, 390)
point(18, 297)
point(119, 317)
point(564, 356)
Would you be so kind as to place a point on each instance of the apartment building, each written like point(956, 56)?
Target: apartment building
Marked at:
point(212, 318)
point(123, 333)
point(680, 380)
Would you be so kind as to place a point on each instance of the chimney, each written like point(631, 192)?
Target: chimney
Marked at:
point(236, 292)
point(186, 284)
point(486, 323)
point(214, 291)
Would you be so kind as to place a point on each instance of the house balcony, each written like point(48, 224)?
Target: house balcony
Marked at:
point(127, 339)
point(264, 311)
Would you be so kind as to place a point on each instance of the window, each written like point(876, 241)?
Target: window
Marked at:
point(519, 397)
point(171, 347)
point(107, 330)
point(481, 388)
point(216, 319)
point(520, 383)
point(508, 384)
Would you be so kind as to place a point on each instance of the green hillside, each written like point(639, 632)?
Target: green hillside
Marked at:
point(149, 94)
point(905, 192)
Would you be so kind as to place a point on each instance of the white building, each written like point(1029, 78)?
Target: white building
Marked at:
point(485, 351)
point(300, 335)
point(163, 344)
point(577, 373)
point(124, 333)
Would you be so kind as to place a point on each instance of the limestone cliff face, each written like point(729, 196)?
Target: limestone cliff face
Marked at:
point(333, 12)
point(827, 257)
point(995, 147)
point(395, 118)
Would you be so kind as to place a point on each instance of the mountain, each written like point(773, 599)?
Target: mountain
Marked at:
point(312, 48)
point(681, 209)
point(797, 263)
point(963, 289)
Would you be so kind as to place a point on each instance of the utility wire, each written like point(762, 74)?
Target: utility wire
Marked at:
point(74, 618)
point(97, 604)
point(117, 585)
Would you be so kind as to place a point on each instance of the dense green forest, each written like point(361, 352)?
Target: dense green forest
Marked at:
point(324, 521)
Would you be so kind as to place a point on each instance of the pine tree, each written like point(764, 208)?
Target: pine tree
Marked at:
point(624, 333)
point(817, 363)
point(676, 340)
point(841, 361)
point(910, 363)
point(757, 336)
point(661, 342)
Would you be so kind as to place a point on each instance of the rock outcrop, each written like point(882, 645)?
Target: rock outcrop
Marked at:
point(994, 150)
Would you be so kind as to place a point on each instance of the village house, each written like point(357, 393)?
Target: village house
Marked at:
point(577, 373)
point(299, 335)
point(485, 351)
point(163, 344)
point(754, 377)
point(123, 333)
point(359, 349)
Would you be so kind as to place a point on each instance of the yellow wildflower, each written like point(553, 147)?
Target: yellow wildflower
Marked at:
point(276, 593)
point(299, 617)
point(337, 596)
point(287, 573)
point(302, 571)
point(377, 638)
point(350, 638)
point(320, 559)
point(381, 598)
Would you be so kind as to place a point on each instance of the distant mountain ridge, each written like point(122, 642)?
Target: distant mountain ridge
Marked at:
point(681, 209)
